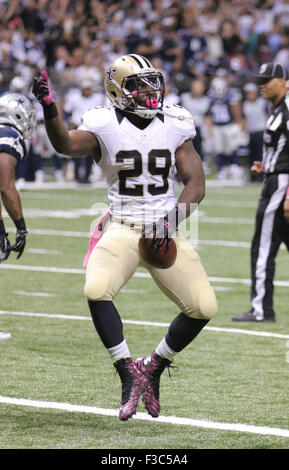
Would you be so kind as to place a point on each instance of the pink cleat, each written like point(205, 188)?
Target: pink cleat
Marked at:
point(134, 383)
point(152, 367)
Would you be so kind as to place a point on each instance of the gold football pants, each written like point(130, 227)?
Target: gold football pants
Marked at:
point(115, 259)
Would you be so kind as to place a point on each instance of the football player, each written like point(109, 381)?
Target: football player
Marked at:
point(17, 125)
point(139, 143)
point(223, 122)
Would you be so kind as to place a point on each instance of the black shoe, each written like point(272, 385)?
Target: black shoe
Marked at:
point(251, 317)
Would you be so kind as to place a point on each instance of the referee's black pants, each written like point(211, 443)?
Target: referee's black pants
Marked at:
point(270, 230)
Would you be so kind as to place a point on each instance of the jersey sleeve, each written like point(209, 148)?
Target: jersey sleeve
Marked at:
point(96, 120)
point(12, 142)
point(181, 122)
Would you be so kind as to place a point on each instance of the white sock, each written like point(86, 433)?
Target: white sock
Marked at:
point(164, 350)
point(120, 351)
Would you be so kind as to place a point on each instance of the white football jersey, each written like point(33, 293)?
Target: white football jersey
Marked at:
point(139, 165)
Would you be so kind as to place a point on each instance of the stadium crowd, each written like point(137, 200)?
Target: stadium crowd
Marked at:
point(192, 41)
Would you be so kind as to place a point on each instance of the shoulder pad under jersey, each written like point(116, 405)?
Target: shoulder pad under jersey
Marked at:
point(178, 112)
point(180, 117)
point(96, 118)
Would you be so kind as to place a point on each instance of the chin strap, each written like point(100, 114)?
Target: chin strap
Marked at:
point(180, 118)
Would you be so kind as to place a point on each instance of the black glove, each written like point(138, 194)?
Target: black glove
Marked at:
point(20, 242)
point(163, 230)
point(4, 247)
point(161, 233)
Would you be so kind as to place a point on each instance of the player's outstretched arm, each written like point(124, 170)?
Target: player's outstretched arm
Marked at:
point(12, 204)
point(190, 170)
point(75, 143)
point(9, 193)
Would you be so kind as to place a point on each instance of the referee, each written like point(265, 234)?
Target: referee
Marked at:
point(272, 218)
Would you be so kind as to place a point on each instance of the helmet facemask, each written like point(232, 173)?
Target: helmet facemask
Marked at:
point(132, 84)
point(144, 93)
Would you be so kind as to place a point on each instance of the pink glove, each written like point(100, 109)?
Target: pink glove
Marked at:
point(41, 88)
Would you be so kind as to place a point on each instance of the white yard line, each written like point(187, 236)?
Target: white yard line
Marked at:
point(230, 244)
point(40, 251)
point(225, 243)
point(76, 234)
point(52, 269)
point(48, 269)
point(223, 288)
point(67, 233)
point(58, 233)
point(145, 323)
point(225, 220)
point(223, 203)
point(199, 423)
point(56, 214)
point(4, 336)
point(57, 197)
point(77, 213)
point(33, 294)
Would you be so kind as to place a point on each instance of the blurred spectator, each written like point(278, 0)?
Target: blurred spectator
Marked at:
point(89, 69)
point(223, 122)
point(77, 101)
point(281, 8)
point(31, 17)
point(189, 40)
point(2, 86)
point(39, 147)
point(282, 56)
point(172, 49)
point(197, 103)
point(275, 37)
point(151, 44)
point(59, 33)
point(255, 114)
point(232, 42)
point(195, 43)
point(171, 96)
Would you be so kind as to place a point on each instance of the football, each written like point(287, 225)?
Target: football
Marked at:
point(158, 259)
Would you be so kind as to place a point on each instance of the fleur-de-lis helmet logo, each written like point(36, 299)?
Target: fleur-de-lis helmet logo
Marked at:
point(110, 73)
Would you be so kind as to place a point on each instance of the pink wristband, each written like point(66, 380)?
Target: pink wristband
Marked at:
point(287, 191)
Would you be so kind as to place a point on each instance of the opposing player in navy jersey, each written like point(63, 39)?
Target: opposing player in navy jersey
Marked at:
point(139, 143)
point(17, 124)
point(224, 117)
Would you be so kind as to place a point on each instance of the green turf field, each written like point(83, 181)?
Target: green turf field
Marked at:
point(58, 388)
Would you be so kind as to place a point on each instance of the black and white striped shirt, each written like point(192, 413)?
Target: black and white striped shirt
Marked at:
point(276, 139)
